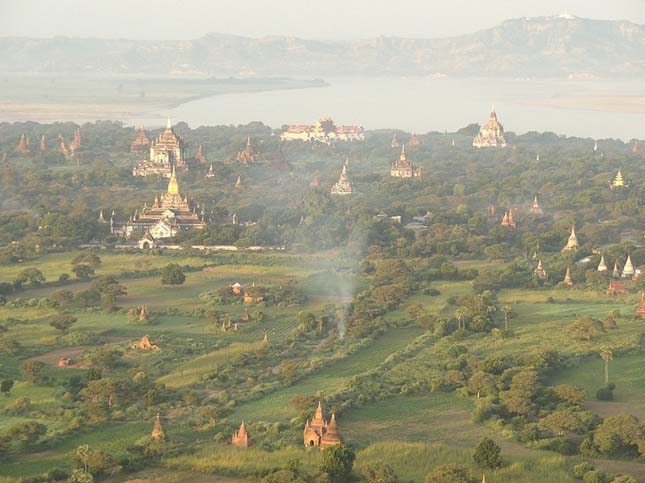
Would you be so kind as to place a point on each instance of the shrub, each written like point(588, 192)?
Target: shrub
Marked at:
point(580, 469)
point(487, 454)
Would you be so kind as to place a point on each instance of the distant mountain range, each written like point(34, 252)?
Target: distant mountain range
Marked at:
point(528, 47)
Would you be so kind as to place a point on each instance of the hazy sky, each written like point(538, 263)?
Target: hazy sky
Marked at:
point(324, 19)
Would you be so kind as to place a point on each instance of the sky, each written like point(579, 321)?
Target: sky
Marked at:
point(319, 19)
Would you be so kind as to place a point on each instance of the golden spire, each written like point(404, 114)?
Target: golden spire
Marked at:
point(173, 186)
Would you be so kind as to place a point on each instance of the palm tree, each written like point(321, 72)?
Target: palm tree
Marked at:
point(460, 313)
point(507, 310)
point(606, 355)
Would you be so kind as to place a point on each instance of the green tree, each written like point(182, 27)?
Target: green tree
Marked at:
point(5, 386)
point(32, 371)
point(62, 322)
point(172, 274)
point(83, 271)
point(88, 258)
point(381, 473)
point(337, 463)
point(32, 275)
point(570, 393)
point(449, 474)
point(606, 355)
point(586, 328)
point(27, 433)
point(488, 454)
point(620, 436)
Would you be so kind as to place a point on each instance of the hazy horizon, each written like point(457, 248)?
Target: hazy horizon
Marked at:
point(331, 20)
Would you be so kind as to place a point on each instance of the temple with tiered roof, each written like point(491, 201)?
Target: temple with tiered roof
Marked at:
point(167, 151)
point(403, 167)
point(343, 186)
point(618, 181)
point(320, 433)
point(491, 134)
point(141, 143)
point(170, 213)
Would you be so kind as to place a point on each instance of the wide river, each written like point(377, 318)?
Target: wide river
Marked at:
point(597, 109)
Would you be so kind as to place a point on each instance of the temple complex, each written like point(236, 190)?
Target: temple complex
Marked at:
point(535, 208)
point(200, 156)
point(567, 278)
point(167, 151)
point(343, 186)
point(572, 242)
point(602, 266)
point(640, 308)
point(323, 131)
point(618, 181)
point(491, 134)
point(22, 149)
point(141, 144)
point(241, 437)
point(539, 271)
point(628, 268)
point(158, 432)
point(403, 167)
point(247, 155)
point(508, 219)
point(170, 213)
point(320, 433)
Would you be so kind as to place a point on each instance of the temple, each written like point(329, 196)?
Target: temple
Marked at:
point(167, 151)
point(170, 213)
point(539, 271)
point(535, 208)
point(616, 287)
point(640, 308)
point(508, 219)
point(320, 433)
point(158, 432)
point(200, 157)
point(618, 181)
point(145, 344)
point(323, 131)
point(343, 186)
point(141, 144)
point(628, 268)
point(403, 167)
point(491, 134)
point(602, 266)
point(567, 278)
point(572, 242)
point(241, 437)
point(22, 149)
point(247, 155)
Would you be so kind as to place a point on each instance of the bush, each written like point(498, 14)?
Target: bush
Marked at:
point(449, 474)
point(605, 393)
point(487, 454)
point(581, 469)
point(172, 274)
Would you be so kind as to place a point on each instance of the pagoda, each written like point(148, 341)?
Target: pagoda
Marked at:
point(628, 268)
point(62, 149)
point(343, 186)
point(320, 433)
point(141, 143)
point(508, 219)
point(602, 266)
point(640, 308)
point(414, 140)
point(618, 181)
point(395, 142)
point(211, 173)
point(539, 271)
point(403, 167)
point(535, 208)
point(167, 151)
point(491, 134)
point(76, 141)
point(616, 272)
point(567, 278)
point(22, 149)
point(241, 437)
point(247, 155)
point(169, 214)
point(199, 155)
point(572, 242)
point(158, 432)
point(492, 214)
point(143, 315)
point(43, 144)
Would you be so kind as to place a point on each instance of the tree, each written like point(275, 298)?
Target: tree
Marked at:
point(337, 463)
point(5, 386)
point(460, 314)
point(606, 355)
point(172, 274)
point(32, 371)
point(83, 271)
point(27, 433)
point(32, 275)
point(88, 258)
point(63, 322)
point(449, 474)
point(586, 328)
point(570, 393)
point(487, 454)
point(620, 436)
point(381, 473)
point(94, 462)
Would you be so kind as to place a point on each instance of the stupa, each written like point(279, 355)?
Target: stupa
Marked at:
point(200, 156)
point(241, 437)
point(567, 278)
point(572, 242)
point(247, 155)
point(343, 186)
point(508, 219)
point(539, 271)
point(602, 266)
point(628, 268)
point(158, 432)
point(141, 143)
point(536, 209)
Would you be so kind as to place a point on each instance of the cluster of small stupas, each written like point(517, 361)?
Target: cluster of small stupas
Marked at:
point(404, 168)
point(23, 148)
point(323, 131)
point(321, 433)
point(343, 186)
point(247, 155)
point(166, 152)
point(169, 213)
point(491, 134)
point(509, 219)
